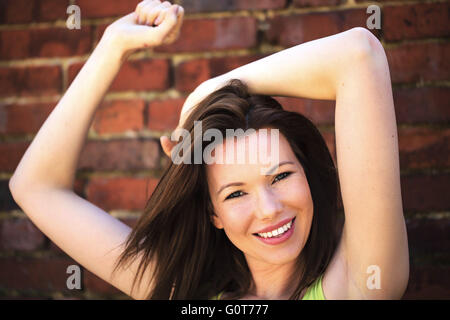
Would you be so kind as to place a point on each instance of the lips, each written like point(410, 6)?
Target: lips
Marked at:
point(275, 226)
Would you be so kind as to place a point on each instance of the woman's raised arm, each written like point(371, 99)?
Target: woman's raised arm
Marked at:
point(351, 68)
point(43, 181)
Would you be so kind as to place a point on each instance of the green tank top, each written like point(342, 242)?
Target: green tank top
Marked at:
point(314, 292)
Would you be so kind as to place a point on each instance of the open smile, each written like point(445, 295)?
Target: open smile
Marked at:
point(277, 235)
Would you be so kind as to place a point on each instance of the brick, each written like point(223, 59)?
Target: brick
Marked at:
point(130, 221)
point(119, 116)
point(423, 193)
point(320, 112)
point(422, 105)
point(428, 235)
point(299, 28)
point(416, 21)
point(20, 234)
point(191, 6)
point(146, 74)
point(7, 202)
point(422, 148)
point(416, 62)
point(28, 81)
point(198, 35)
point(191, 73)
point(24, 118)
point(40, 274)
point(120, 193)
point(315, 3)
point(428, 282)
point(25, 11)
point(15, 11)
point(47, 42)
point(106, 8)
point(120, 154)
point(11, 153)
point(94, 284)
point(163, 115)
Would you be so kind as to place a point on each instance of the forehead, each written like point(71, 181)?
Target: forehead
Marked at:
point(270, 150)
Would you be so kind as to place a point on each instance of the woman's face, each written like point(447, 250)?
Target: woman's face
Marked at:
point(256, 204)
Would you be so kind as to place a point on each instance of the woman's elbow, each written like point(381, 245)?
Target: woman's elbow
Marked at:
point(364, 44)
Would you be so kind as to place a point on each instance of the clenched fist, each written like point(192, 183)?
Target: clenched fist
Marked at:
point(152, 24)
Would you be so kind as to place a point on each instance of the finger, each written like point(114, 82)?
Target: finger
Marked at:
point(145, 11)
point(139, 8)
point(158, 11)
point(169, 22)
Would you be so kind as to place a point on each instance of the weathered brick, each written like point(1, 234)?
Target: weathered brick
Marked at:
point(25, 11)
point(428, 282)
point(423, 148)
point(94, 284)
point(146, 74)
point(423, 192)
point(163, 115)
point(320, 112)
point(315, 3)
point(422, 105)
point(106, 8)
point(47, 42)
point(197, 35)
point(23, 118)
point(120, 193)
point(428, 235)
point(414, 62)
point(27, 81)
point(20, 234)
point(118, 116)
point(299, 28)
point(191, 6)
point(7, 202)
point(11, 153)
point(15, 11)
point(191, 73)
point(41, 274)
point(120, 154)
point(416, 21)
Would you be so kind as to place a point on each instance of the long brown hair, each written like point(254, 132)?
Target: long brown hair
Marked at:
point(192, 258)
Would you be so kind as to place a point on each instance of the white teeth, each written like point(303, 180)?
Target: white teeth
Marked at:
point(276, 232)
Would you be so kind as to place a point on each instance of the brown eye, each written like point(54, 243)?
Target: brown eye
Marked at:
point(281, 176)
point(235, 194)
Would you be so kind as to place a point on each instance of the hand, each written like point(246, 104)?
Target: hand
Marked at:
point(152, 24)
point(201, 92)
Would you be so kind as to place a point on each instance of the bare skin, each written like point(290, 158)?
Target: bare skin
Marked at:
point(349, 67)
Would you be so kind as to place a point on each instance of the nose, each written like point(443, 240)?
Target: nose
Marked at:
point(268, 204)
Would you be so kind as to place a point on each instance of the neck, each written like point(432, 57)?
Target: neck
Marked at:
point(271, 282)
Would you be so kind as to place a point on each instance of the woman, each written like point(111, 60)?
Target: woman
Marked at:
point(226, 230)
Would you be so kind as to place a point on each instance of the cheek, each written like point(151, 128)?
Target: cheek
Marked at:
point(236, 218)
point(296, 193)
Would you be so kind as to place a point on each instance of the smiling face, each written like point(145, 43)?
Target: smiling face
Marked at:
point(255, 203)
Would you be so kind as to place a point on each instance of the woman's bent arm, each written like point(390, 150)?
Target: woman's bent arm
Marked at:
point(43, 181)
point(51, 159)
point(351, 68)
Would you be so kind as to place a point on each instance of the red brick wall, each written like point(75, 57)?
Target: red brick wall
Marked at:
point(122, 160)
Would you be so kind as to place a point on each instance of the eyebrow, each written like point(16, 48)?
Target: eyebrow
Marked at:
point(231, 184)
